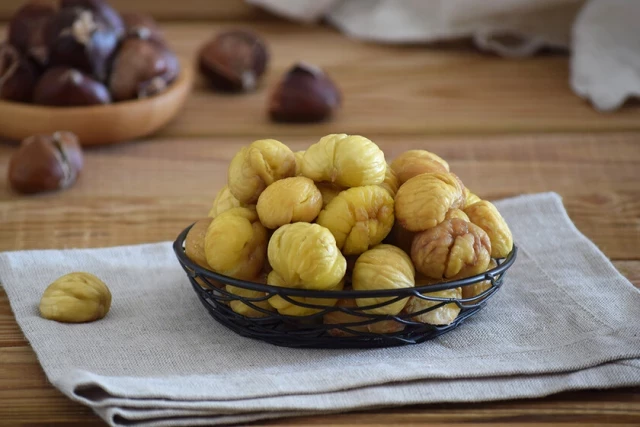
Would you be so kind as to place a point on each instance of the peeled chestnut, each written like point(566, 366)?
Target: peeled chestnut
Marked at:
point(305, 94)
point(66, 87)
point(46, 163)
point(141, 68)
point(142, 26)
point(27, 30)
point(101, 9)
point(17, 75)
point(79, 38)
point(234, 60)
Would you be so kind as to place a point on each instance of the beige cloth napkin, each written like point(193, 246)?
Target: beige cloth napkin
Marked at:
point(565, 319)
point(601, 34)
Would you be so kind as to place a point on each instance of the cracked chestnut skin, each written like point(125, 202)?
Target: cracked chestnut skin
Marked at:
point(454, 249)
point(359, 218)
point(101, 9)
point(45, 163)
point(81, 39)
point(288, 200)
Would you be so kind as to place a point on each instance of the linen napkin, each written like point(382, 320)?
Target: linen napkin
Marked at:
point(564, 319)
point(601, 35)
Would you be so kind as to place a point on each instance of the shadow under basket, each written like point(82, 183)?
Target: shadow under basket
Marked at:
point(353, 324)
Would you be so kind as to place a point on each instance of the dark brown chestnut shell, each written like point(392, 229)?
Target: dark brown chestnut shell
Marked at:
point(234, 60)
point(69, 87)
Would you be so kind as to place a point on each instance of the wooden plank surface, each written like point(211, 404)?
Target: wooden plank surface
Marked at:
point(447, 91)
point(450, 91)
point(147, 191)
point(211, 10)
point(507, 127)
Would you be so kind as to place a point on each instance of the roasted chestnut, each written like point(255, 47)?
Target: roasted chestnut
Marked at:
point(141, 68)
point(17, 75)
point(79, 38)
point(305, 94)
point(234, 61)
point(101, 9)
point(27, 30)
point(66, 87)
point(142, 26)
point(46, 163)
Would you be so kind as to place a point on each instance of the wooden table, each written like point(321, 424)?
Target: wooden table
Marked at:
point(506, 127)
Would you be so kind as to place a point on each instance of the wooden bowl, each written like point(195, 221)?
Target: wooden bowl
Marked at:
point(100, 124)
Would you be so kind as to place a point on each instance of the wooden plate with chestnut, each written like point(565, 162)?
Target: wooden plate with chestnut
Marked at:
point(80, 66)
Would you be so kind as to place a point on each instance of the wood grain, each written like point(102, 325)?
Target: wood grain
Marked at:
point(450, 91)
point(430, 91)
point(506, 127)
point(212, 10)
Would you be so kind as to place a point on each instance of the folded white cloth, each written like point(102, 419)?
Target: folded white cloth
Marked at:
point(601, 34)
point(565, 319)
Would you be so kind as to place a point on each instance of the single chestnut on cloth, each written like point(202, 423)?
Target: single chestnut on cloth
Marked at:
point(46, 163)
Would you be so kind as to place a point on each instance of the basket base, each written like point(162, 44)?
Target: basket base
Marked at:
point(293, 335)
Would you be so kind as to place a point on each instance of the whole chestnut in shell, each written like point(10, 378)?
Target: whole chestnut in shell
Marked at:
point(234, 60)
point(80, 39)
point(305, 94)
point(46, 163)
point(27, 30)
point(142, 26)
point(67, 87)
point(101, 9)
point(141, 68)
point(17, 75)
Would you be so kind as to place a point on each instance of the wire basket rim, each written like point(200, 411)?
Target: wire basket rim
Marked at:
point(196, 270)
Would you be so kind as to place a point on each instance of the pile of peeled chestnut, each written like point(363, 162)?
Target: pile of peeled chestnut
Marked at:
point(338, 216)
point(83, 52)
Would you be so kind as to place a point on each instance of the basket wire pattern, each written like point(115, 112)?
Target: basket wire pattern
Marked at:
point(309, 331)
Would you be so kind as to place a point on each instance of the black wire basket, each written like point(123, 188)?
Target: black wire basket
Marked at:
point(345, 324)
